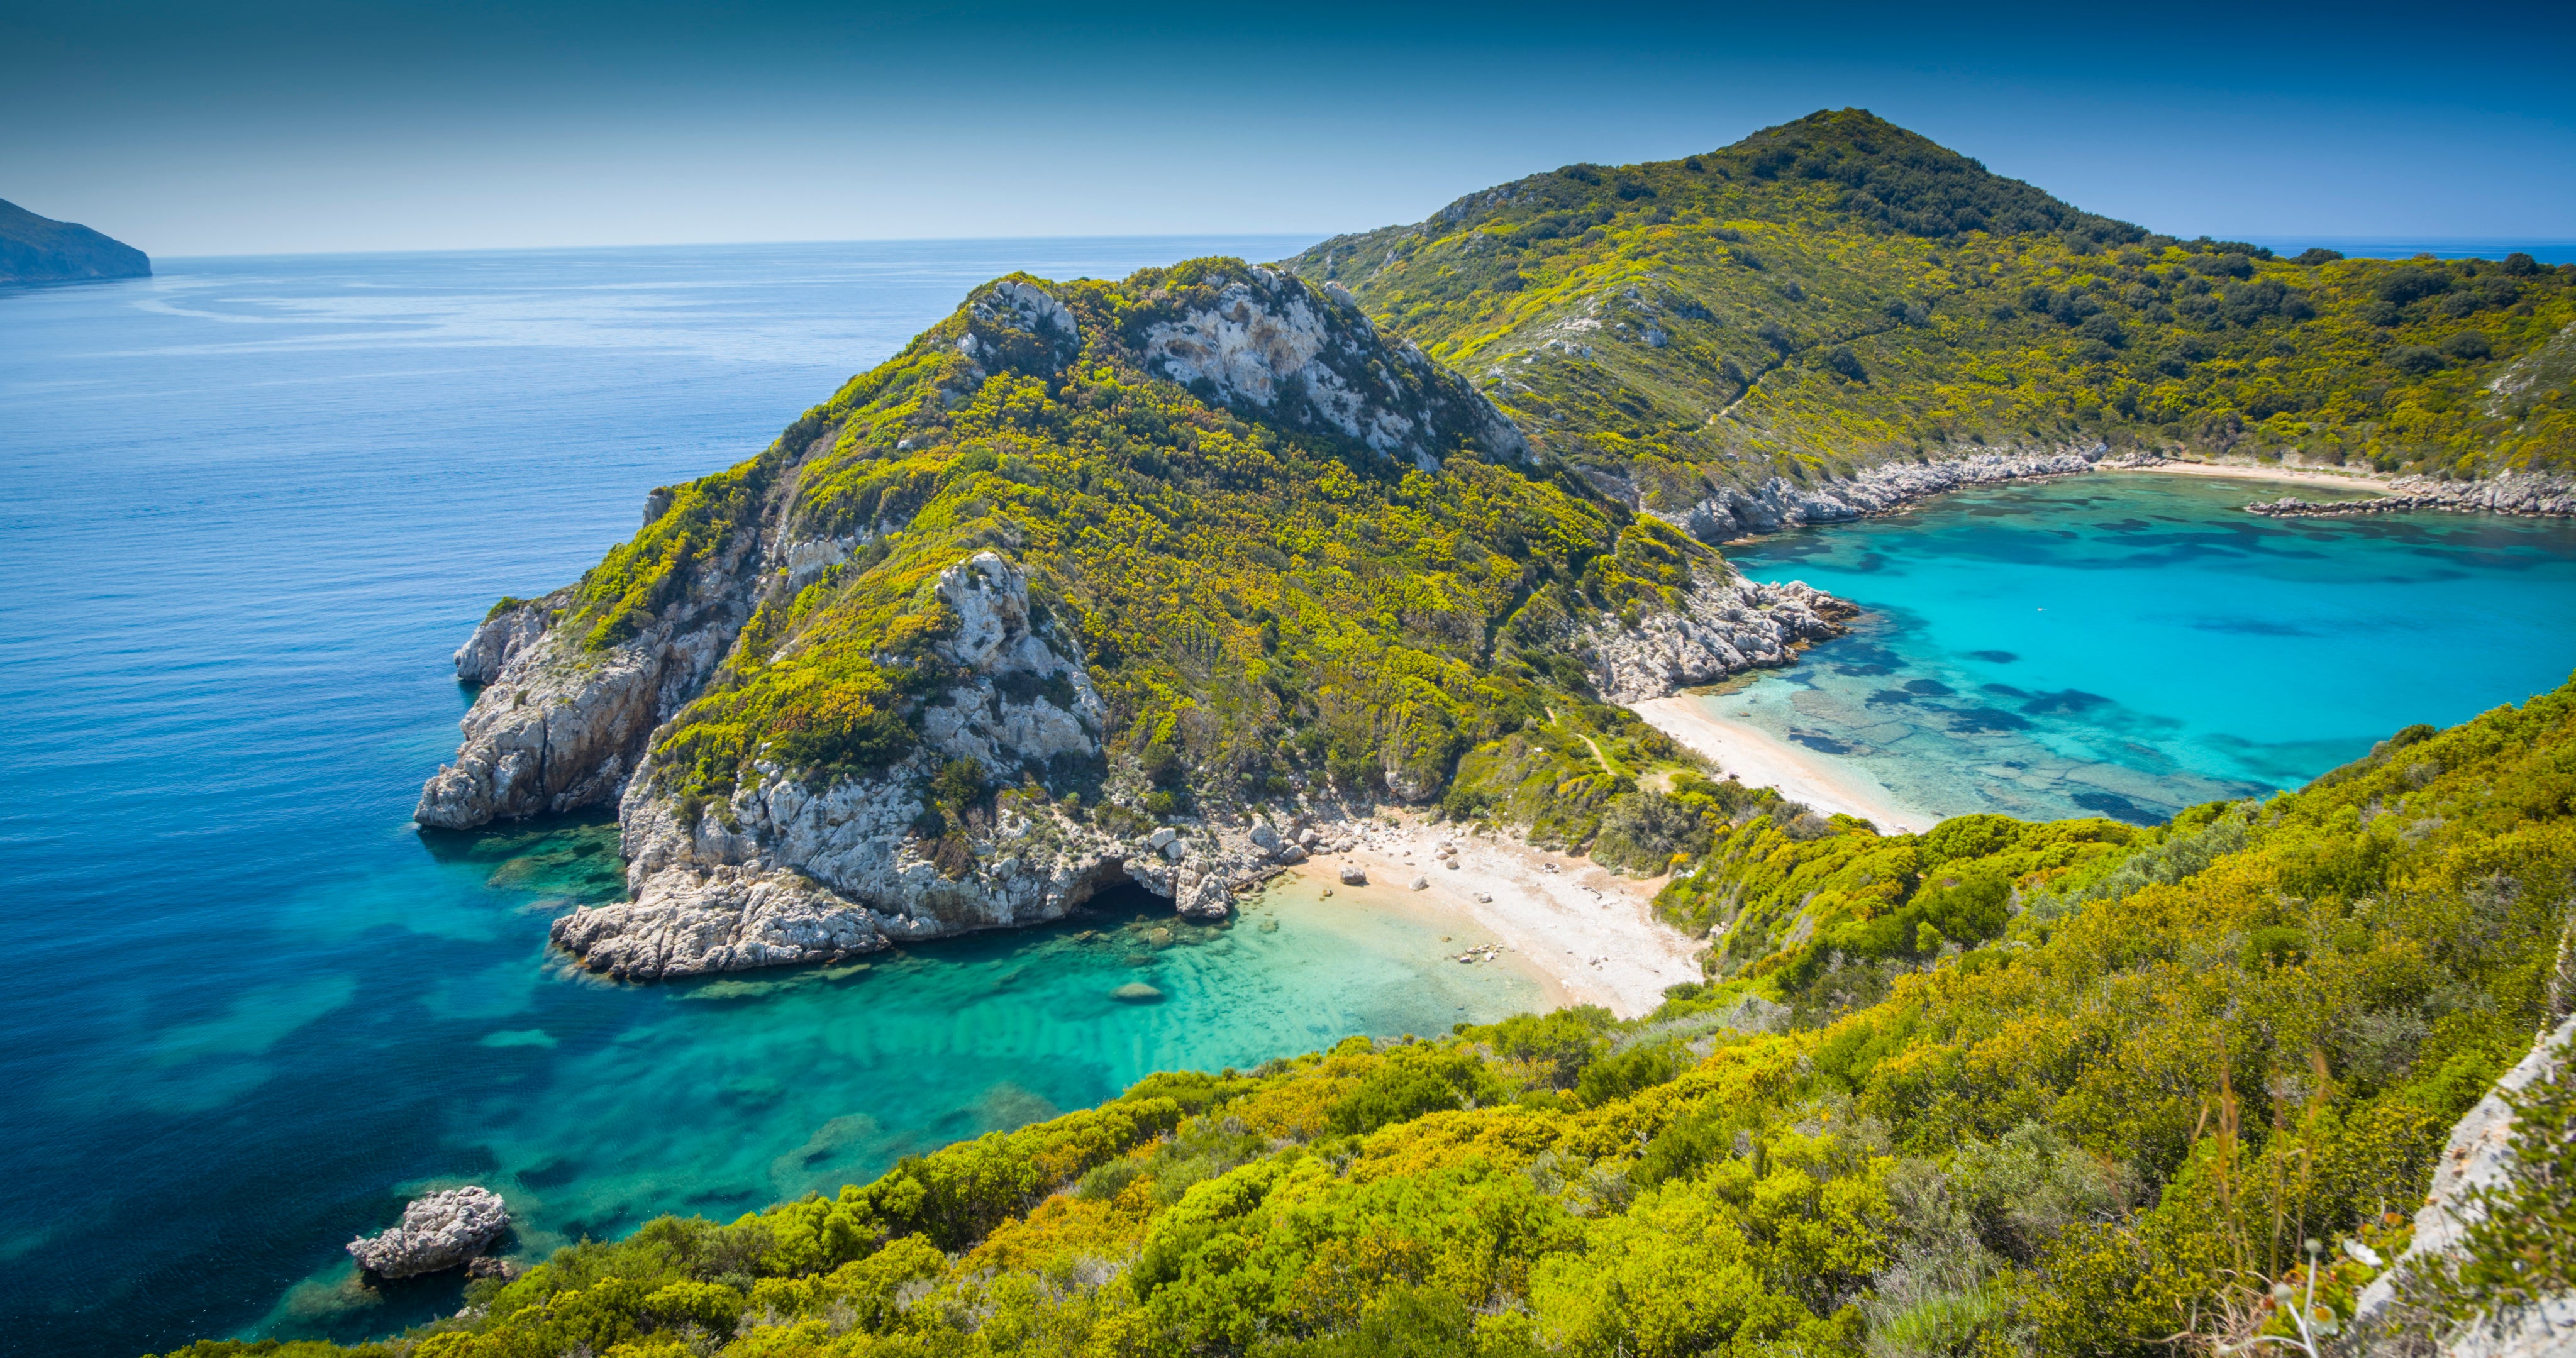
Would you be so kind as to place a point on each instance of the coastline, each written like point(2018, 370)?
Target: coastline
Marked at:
point(1755, 757)
point(1589, 935)
point(2297, 476)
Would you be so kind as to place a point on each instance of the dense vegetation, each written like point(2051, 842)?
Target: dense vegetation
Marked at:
point(2091, 1095)
point(1839, 291)
point(1266, 609)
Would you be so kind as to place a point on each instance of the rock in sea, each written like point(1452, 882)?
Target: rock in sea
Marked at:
point(437, 1232)
point(1352, 876)
point(1136, 992)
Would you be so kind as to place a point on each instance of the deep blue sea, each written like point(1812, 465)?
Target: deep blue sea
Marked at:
point(255, 503)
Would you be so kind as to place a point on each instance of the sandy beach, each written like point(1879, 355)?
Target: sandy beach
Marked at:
point(2297, 476)
point(1758, 759)
point(1589, 934)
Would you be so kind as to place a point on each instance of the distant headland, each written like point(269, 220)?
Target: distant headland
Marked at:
point(37, 249)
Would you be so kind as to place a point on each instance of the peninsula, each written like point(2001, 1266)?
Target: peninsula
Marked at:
point(37, 249)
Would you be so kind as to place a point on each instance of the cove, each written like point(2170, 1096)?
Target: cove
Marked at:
point(2127, 644)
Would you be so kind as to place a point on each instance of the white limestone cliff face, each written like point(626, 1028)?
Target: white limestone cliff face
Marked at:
point(792, 872)
point(503, 636)
point(1725, 623)
point(1780, 503)
point(557, 728)
point(1315, 358)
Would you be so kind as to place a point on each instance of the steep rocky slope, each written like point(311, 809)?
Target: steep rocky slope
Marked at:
point(1092, 583)
point(1838, 293)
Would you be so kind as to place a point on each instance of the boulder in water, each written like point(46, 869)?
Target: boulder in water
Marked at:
point(1136, 992)
point(437, 1232)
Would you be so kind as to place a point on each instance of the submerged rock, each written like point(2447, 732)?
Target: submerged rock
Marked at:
point(1136, 992)
point(438, 1232)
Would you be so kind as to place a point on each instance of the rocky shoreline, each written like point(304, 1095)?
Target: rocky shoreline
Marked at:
point(1779, 503)
point(2519, 494)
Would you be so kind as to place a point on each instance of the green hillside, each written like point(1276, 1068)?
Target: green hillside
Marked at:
point(1996, 1089)
point(1266, 604)
point(1839, 291)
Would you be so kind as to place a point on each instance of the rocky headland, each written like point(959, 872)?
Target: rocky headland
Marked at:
point(37, 249)
point(812, 850)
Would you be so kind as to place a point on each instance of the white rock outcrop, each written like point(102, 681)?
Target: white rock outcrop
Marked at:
point(1781, 503)
point(1269, 341)
point(1723, 624)
point(438, 1232)
point(502, 637)
point(789, 871)
point(558, 727)
point(2478, 1156)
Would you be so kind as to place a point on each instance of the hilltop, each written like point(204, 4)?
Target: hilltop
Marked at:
point(1839, 292)
point(37, 249)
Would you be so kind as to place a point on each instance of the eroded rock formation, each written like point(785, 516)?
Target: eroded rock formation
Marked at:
point(438, 1232)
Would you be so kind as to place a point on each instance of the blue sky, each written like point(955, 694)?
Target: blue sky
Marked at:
point(307, 126)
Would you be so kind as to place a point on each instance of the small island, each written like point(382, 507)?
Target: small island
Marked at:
point(37, 249)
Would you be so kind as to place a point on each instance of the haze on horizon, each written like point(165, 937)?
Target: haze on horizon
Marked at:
point(284, 126)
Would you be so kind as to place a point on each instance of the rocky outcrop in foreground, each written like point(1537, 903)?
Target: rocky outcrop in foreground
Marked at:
point(438, 1232)
point(2479, 1156)
point(1780, 503)
point(1721, 626)
point(2524, 494)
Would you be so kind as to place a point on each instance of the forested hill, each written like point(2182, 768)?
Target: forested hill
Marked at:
point(1839, 291)
point(37, 249)
point(1997, 1089)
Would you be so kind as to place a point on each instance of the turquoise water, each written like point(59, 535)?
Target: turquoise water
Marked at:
point(253, 506)
point(2127, 644)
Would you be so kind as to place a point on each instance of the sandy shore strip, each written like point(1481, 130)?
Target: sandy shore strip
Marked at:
point(1758, 759)
point(1588, 933)
point(2297, 476)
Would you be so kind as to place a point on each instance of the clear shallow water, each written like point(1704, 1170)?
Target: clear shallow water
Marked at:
point(253, 506)
point(2127, 644)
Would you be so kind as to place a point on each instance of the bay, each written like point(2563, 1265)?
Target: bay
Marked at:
point(2128, 643)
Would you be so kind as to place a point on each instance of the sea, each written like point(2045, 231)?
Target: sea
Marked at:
point(254, 504)
point(2127, 644)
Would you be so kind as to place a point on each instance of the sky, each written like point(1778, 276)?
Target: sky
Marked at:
point(293, 126)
